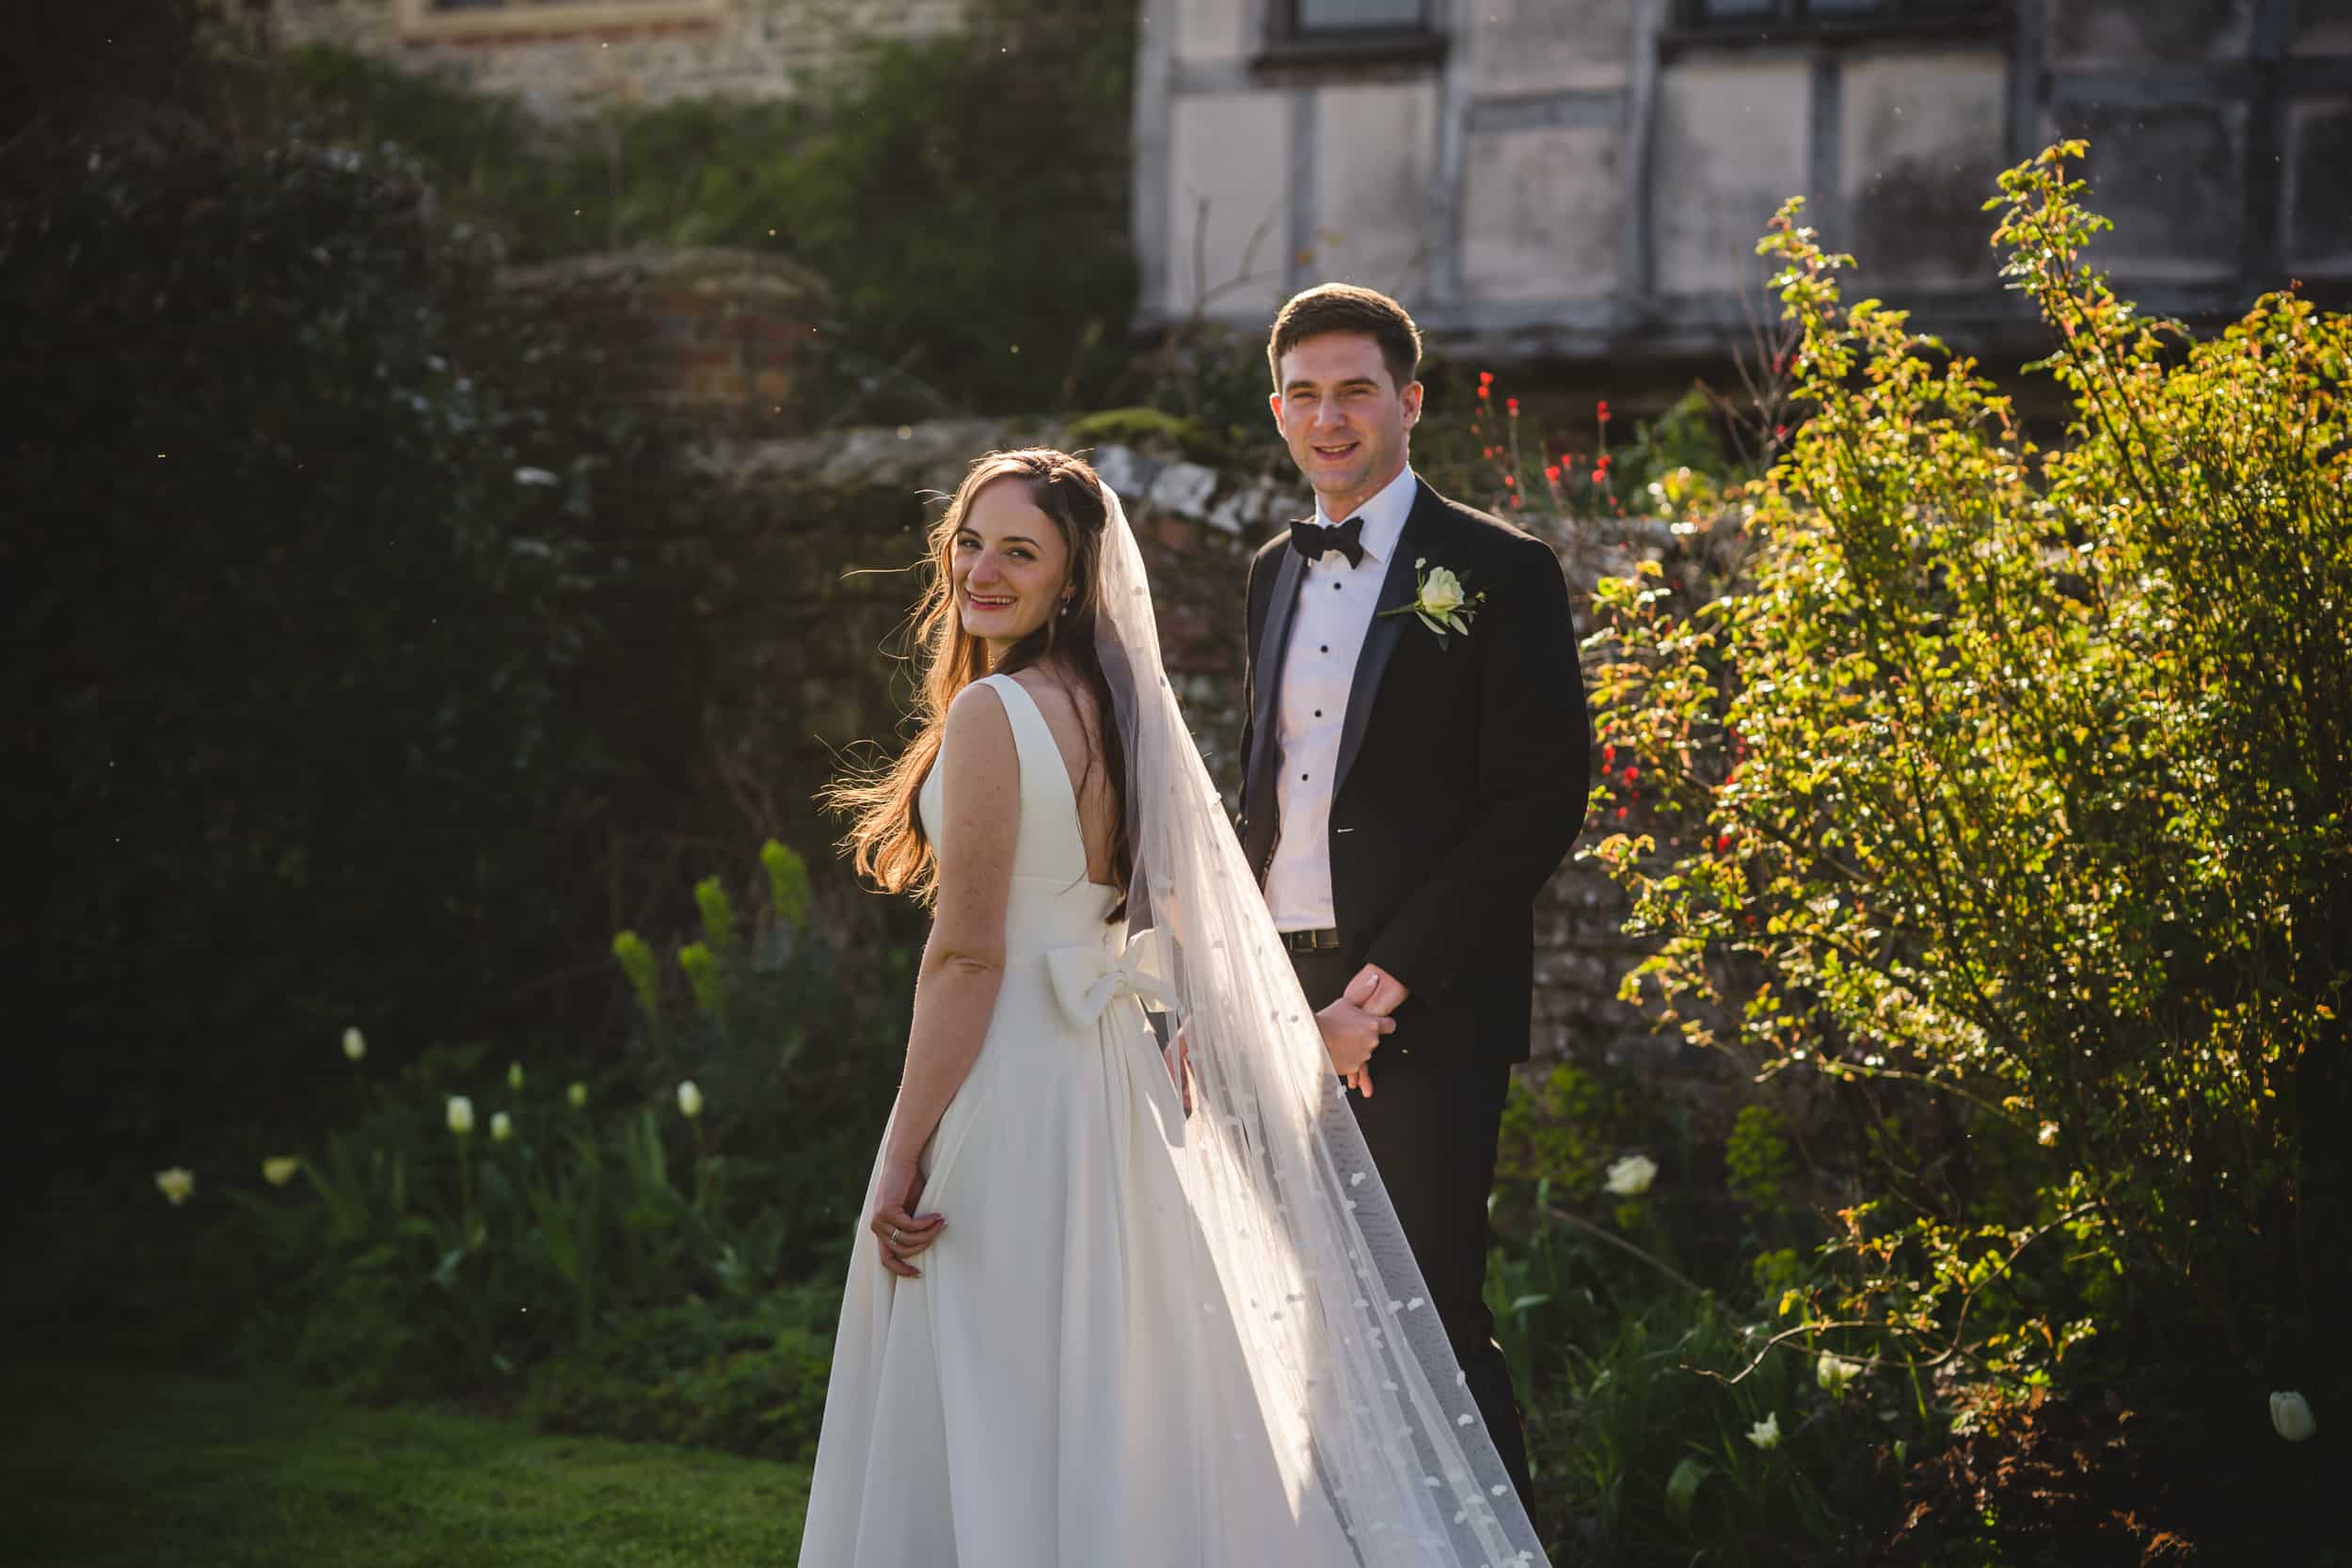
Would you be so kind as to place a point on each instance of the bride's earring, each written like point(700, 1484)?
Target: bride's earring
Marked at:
point(1065, 609)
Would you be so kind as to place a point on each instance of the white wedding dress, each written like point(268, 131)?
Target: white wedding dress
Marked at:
point(1063, 1387)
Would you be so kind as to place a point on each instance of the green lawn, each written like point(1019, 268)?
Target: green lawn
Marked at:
point(113, 1469)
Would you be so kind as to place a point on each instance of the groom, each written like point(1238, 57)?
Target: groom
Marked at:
point(1412, 774)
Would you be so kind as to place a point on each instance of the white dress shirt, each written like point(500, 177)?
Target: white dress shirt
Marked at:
point(1335, 606)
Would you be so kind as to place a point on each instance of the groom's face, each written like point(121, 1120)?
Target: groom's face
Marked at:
point(1343, 416)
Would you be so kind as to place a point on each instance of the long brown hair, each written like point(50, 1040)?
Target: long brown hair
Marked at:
point(886, 841)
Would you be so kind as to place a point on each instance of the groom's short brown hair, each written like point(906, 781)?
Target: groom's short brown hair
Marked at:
point(1345, 308)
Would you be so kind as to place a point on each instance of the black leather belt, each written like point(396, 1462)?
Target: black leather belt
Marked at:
point(1323, 941)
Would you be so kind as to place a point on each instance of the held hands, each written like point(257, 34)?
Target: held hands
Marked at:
point(1352, 1026)
point(900, 1233)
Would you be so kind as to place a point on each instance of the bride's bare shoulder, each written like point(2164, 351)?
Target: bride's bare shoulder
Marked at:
point(977, 738)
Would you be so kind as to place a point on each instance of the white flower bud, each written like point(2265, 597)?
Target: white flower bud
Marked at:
point(578, 1096)
point(460, 1114)
point(280, 1170)
point(1833, 1372)
point(514, 1076)
point(501, 1127)
point(177, 1185)
point(690, 1100)
point(1766, 1432)
point(2291, 1416)
point(355, 1044)
point(1631, 1176)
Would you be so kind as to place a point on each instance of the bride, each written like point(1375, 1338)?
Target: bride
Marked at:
point(1111, 1307)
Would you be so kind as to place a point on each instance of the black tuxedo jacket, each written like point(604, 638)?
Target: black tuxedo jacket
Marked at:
point(1462, 775)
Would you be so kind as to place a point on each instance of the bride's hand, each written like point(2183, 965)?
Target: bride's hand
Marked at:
point(900, 1232)
point(1179, 1059)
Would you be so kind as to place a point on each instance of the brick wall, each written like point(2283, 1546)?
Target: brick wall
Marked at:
point(558, 54)
point(722, 337)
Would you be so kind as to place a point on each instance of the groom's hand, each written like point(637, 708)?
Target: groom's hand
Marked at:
point(1377, 990)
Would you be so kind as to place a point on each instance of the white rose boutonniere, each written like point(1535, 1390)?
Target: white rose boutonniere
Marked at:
point(1444, 603)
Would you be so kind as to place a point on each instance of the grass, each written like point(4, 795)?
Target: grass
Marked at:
point(119, 1469)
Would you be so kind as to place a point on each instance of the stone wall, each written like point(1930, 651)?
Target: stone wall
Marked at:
point(793, 569)
point(1197, 528)
point(561, 54)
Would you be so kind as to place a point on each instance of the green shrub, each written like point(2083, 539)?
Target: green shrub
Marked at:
point(2007, 789)
point(296, 523)
point(963, 194)
point(748, 1377)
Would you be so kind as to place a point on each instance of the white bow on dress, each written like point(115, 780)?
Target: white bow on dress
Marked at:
point(1087, 978)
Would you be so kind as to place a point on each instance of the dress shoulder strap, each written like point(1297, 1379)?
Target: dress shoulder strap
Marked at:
point(1032, 738)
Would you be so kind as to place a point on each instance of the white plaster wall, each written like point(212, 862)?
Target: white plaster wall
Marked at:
point(1210, 29)
point(1731, 144)
point(1375, 155)
point(1543, 213)
point(1520, 46)
point(1232, 152)
point(1922, 141)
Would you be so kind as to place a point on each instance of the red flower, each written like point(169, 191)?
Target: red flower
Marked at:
point(1484, 390)
point(1601, 467)
point(1485, 378)
point(1512, 403)
point(1552, 472)
point(1621, 814)
point(1604, 410)
point(1608, 755)
point(1780, 432)
point(1515, 503)
point(1631, 774)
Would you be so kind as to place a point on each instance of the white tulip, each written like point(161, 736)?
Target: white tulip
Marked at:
point(2291, 1416)
point(1631, 1176)
point(1833, 1372)
point(178, 1184)
point(460, 1114)
point(578, 1094)
point(355, 1044)
point(1766, 1432)
point(690, 1100)
point(501, 1127)
point(280, 1170)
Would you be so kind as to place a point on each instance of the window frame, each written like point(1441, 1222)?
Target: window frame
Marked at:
point(1795, 21)
point(1288, 42)
point(425, 21)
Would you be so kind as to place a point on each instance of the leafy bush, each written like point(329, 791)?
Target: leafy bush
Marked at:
point(964, 195)
point(295, 529)
point(748, 1376)
point(2007, 788)
point(478, 1220)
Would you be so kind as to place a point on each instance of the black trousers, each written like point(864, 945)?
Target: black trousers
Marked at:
point(1431, 1124)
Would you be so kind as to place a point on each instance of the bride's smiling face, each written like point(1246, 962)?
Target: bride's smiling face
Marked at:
point(1009, 564)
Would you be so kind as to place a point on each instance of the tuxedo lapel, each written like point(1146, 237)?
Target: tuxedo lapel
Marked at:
point(1397, 590)
point(1272, 651)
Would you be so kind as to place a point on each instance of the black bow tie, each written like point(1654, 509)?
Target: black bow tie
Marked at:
point(1313, 539)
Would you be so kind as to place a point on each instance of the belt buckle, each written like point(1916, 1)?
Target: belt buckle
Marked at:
point(1323, 939)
